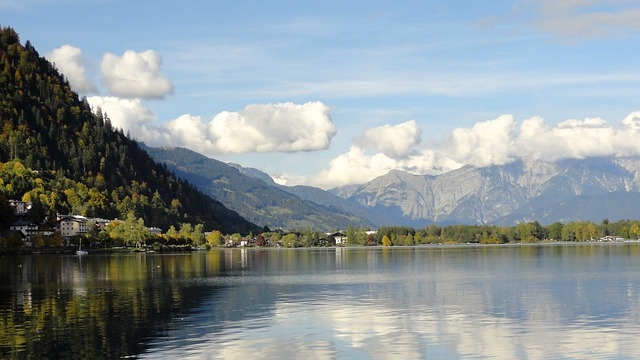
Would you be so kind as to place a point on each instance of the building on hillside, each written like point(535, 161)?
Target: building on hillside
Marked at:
point(101, 223)
point(26, 227)
point(154, 231)
point(29, 230)
point(47, 228)
point(72, 225)
point(20, 208)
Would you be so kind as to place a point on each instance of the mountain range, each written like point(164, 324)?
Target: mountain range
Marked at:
point(590, 189)
point(255, 196)
point(59, 154)
point(526, 190)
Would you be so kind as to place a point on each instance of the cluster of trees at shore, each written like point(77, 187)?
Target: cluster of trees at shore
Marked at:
point(132, 232)
point(525, 232)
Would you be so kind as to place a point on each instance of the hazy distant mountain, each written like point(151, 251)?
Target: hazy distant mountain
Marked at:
point(255, 196)
point(331, 201)
point(321, 197)
point(344, 191)
point(253, 173)
point(568, 190)
point(525, 190)
point(614, 206)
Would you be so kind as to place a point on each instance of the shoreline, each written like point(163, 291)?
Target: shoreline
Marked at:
point(122, 250)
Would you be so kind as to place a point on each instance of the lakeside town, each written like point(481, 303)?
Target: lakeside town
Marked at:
point(68, 232)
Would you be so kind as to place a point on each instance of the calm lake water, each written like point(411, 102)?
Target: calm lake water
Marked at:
point(452, 302)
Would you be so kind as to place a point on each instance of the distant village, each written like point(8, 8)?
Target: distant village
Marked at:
point(70, 230)
point(68, 227)
point(65, 226)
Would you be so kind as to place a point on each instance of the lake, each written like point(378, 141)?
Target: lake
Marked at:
point(554, 301)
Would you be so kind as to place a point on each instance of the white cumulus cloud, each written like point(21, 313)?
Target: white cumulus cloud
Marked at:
point(572, 138)
point(356, 166)
point(70, 61)
point(135, 75)
point(493, 142)
point(283, 127)
point(632, 121)
point(486, 143)
point(393, 141)
point(126, 114)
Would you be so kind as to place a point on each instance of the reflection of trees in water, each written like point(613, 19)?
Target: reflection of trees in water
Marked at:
point(97, 307)
point(119, 305)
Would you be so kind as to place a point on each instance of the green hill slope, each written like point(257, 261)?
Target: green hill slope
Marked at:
point(64, 158)
point(253, 198)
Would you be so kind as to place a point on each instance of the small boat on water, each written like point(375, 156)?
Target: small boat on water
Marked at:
point(80, 251)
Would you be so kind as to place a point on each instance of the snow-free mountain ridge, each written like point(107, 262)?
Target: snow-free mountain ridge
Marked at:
point(525, 190)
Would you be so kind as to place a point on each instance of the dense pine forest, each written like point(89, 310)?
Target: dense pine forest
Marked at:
point(58, 154)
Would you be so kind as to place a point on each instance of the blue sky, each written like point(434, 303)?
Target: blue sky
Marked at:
point(339, 92)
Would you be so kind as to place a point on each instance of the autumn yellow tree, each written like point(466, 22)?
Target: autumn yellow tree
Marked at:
point(214, 238)
point(634, 230)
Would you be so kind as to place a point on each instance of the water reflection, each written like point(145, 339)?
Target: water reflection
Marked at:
point(503, 302)
point(97, 306)
point(535, 302)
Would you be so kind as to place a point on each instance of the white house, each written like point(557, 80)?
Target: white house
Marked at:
point(20, 207)
point(340, 238)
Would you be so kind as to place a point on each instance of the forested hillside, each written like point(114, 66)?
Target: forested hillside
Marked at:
point(255, 199)
point(55, 152)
